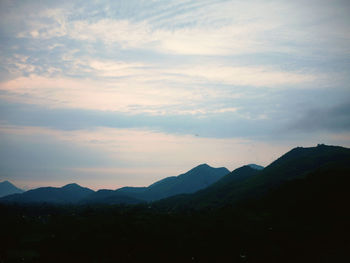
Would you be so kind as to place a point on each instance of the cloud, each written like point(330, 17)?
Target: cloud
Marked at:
point(191, 28)
point(331, 119)
point(118, 86)
point(201, 122)
point(246, 122)
point(125, 34)
point(88, 94)
point(246, 76)
point(205, 28)
point(46, 23)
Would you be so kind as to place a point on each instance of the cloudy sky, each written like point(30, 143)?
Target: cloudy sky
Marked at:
point(115, 93)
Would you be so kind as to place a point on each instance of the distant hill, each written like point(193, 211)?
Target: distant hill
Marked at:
point(70, 193)
point(6, 188)
point(196, 179)
point(297, 163)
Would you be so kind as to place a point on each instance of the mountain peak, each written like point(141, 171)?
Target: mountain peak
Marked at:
point(71, 186)
point(7, 188)
point(204, 165)
point(199, 169)
point(205, 168)
point(6, 182)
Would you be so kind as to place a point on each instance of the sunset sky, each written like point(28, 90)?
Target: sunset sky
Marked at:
point(114, 93)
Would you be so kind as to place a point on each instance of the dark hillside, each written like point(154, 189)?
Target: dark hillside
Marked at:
point(303, 220)
point(292, 165)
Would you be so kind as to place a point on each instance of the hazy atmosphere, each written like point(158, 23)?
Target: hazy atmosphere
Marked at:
point(113, 93)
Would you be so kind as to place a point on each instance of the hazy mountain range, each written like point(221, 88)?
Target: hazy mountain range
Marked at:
point(197, 178)
point(293, 210)
point(202, 186)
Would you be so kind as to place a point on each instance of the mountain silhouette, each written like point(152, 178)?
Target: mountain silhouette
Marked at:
point(195, 179)
point(294, 210)
point(7, 188)
point(295, 164)
point(215, 193)
point(70, 193)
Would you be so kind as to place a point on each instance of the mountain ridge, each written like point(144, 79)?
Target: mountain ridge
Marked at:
point(193, 180)
point(70, 193)
point(202, 186)
point(296, 163)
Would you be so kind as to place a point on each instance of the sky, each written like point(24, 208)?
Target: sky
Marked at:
point(123, 93)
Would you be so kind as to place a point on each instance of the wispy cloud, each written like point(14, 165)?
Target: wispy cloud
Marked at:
point(206, 28)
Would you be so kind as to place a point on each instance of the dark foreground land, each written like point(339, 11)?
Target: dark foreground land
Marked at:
point(274, 229)
point(305, 219)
